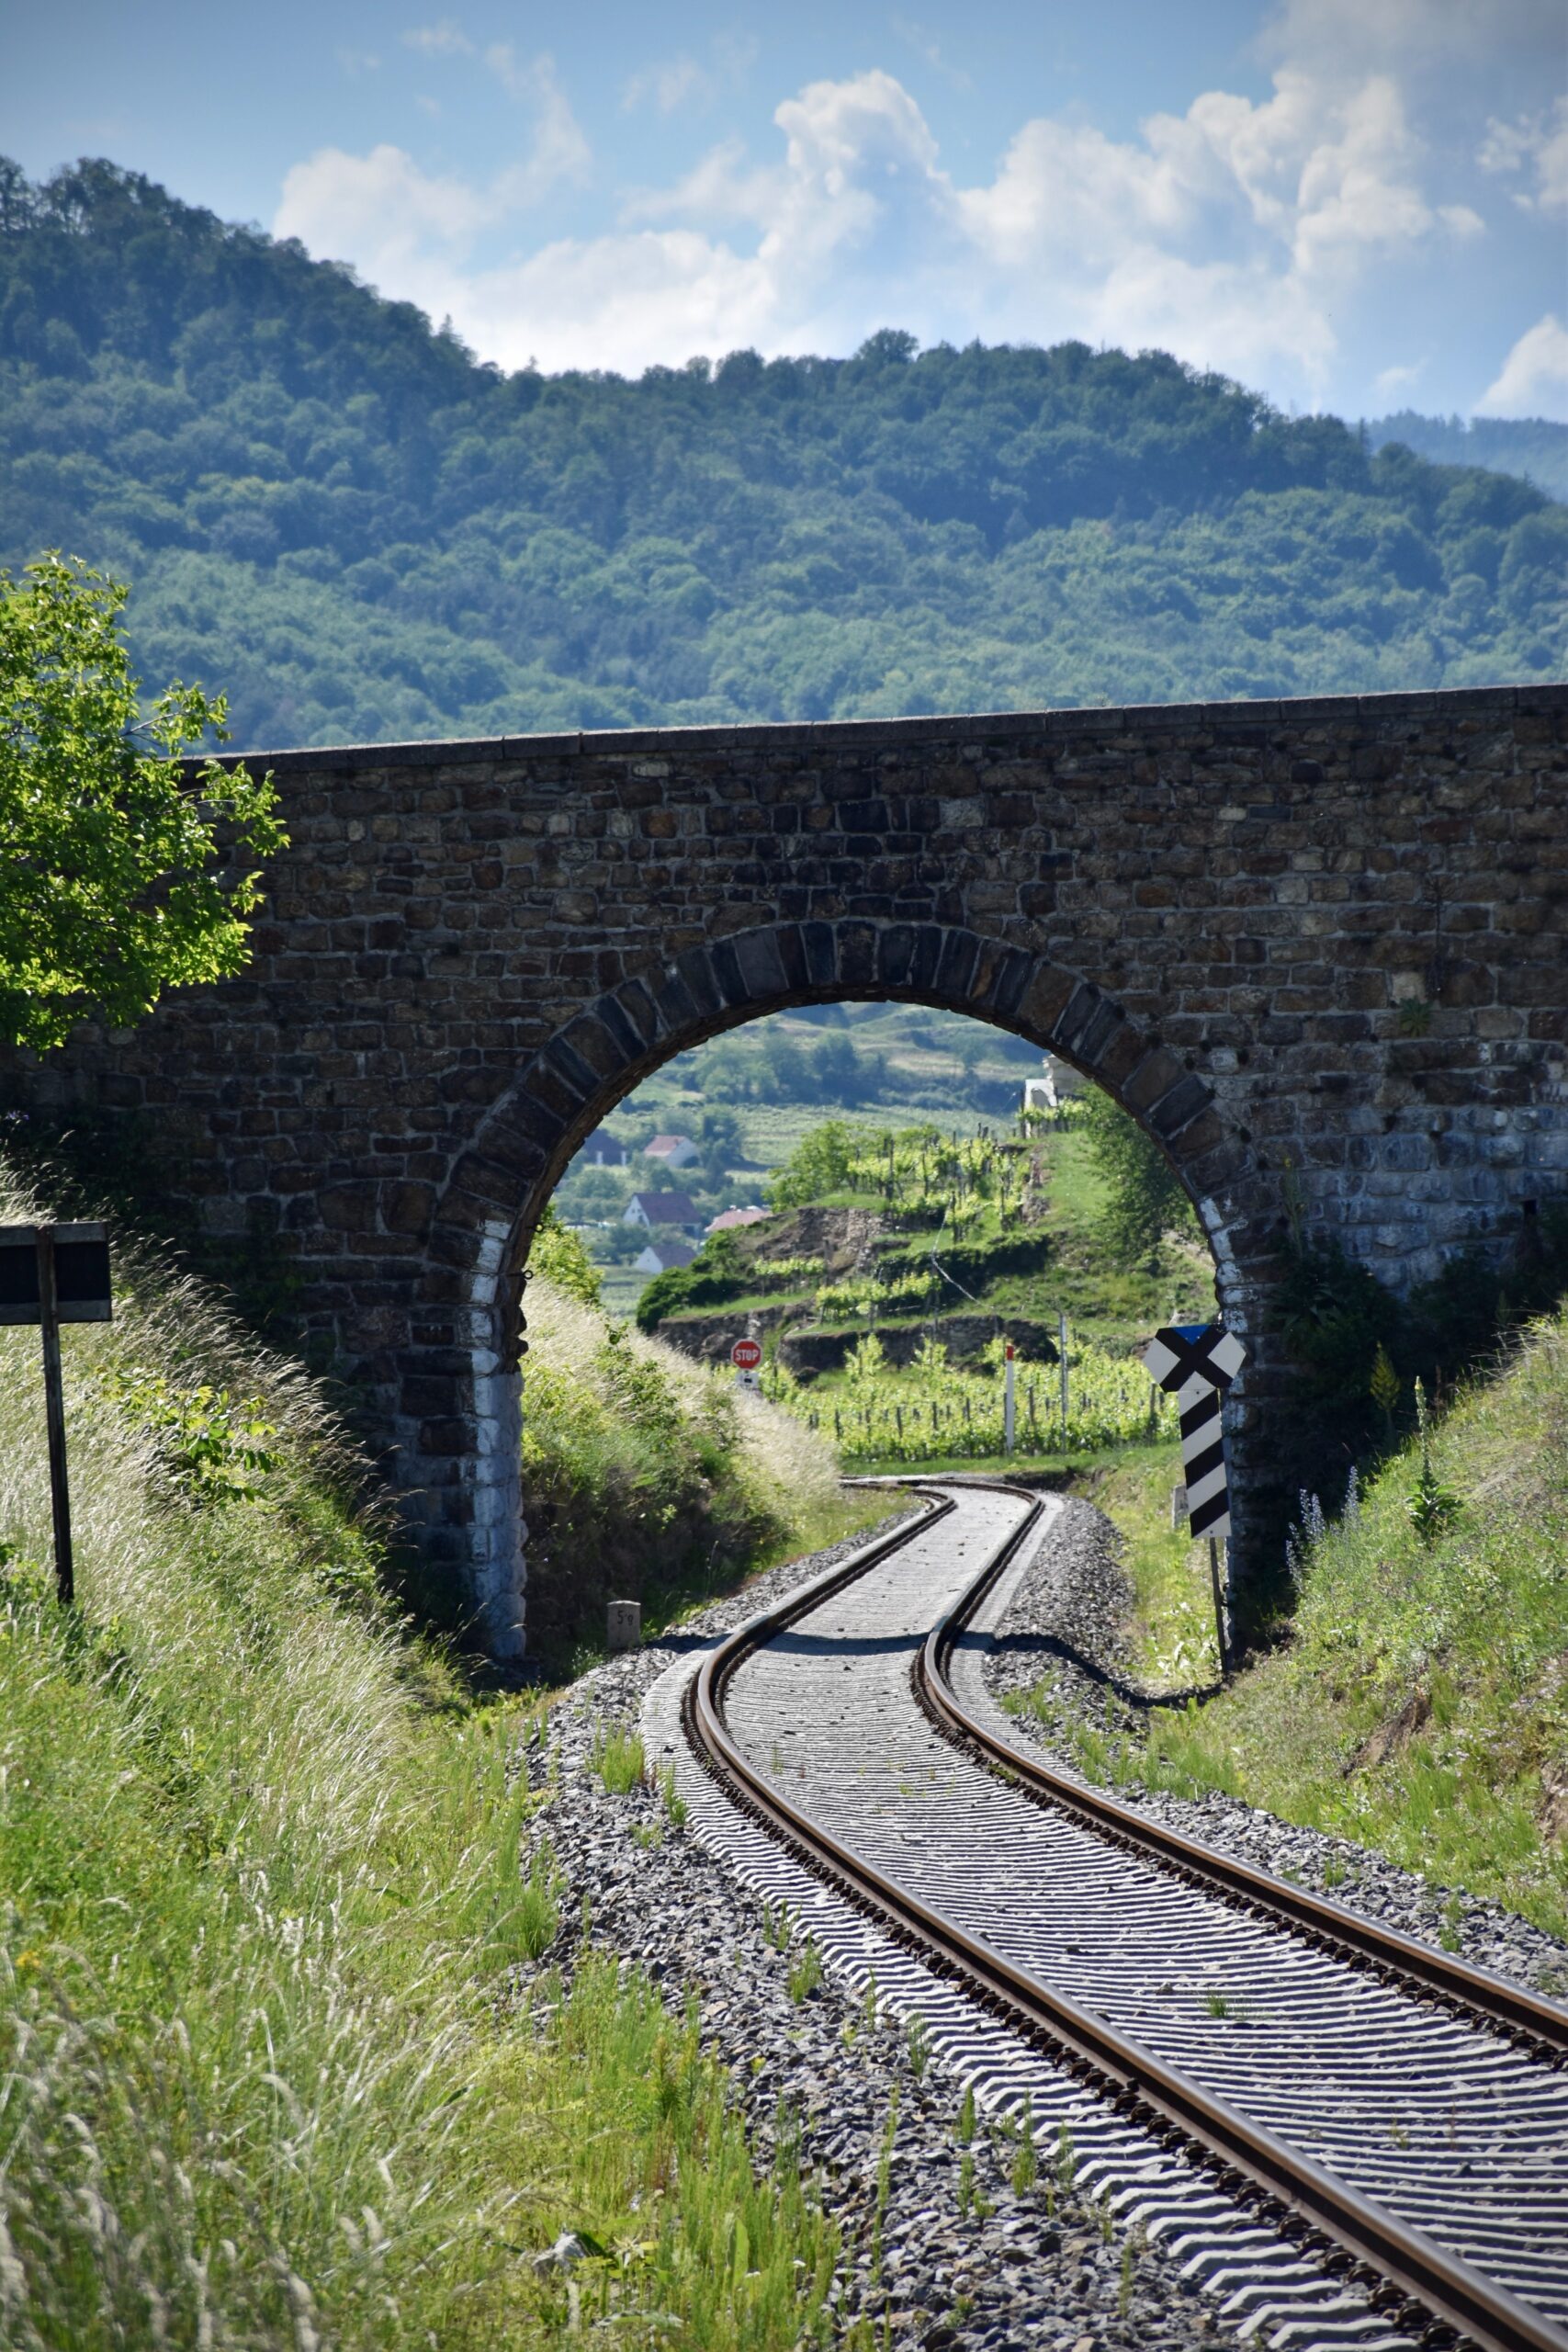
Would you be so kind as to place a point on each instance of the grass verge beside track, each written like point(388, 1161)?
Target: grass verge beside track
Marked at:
point(276, 2068)
point(1419, 1701)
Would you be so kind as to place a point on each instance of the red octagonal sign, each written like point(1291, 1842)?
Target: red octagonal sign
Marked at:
point(746, 1354)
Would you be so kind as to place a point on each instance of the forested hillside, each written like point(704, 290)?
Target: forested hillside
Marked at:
point(333, 511)
point(1529, 445)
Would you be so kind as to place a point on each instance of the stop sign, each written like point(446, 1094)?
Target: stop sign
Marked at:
point(746, 1354)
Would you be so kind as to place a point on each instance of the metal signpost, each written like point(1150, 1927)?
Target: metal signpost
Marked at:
point(51, 1274)
point(746, 1355)
point(1009, 1402)
point(1200, 1361)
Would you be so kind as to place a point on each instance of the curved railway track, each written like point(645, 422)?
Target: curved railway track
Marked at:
point(1392, 2123)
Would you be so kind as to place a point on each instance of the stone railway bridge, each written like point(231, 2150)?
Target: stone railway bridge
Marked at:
point(1317, 947)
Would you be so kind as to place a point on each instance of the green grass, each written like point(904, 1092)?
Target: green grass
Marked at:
point(619, 1760)
point(771, 1132)
point(1115, 1306)
point(272, 2076)
point(649, 1477)
point(1171, 1636)
point(1472, 1626)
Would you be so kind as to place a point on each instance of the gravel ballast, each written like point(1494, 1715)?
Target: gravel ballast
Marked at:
point(965, 2261)
point(1064, 1624)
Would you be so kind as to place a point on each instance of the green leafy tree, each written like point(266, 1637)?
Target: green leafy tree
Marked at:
point(789, 1072)
point(557, 1253)
point(838, 1070)
point(113, 881)
point(1145, 1201)
point(818, 1165)
point(718, 1136)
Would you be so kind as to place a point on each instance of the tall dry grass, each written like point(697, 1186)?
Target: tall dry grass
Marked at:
point(265, 2077)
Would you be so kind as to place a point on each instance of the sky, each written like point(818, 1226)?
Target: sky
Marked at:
point(1352, 205)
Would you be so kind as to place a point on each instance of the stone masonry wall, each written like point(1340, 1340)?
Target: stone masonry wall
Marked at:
point(1317, 946)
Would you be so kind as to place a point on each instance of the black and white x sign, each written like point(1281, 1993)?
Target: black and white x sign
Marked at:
point(1183, 1351)
point(1199, 1360)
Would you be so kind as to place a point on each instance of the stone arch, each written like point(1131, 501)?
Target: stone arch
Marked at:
point(460, 1403)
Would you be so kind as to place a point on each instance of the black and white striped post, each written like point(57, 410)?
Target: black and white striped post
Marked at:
point(1199, 1360)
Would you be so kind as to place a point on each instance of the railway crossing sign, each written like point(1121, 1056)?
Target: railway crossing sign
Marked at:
point(1199, 1360)
point(1182, 1351)
point(51, 1274)
point(746, 1355)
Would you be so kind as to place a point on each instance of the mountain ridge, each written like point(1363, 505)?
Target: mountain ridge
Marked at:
point(331, 509)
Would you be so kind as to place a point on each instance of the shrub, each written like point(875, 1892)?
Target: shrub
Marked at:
point(559, 1255)
point(644, 1472)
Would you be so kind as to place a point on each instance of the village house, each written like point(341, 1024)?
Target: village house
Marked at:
point(661, 1256)
point(728, 1219)
point(672, 1151)
point(653, 1209)
point(603, 1150)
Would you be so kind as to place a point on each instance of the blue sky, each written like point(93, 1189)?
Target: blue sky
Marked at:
point(1359, 205)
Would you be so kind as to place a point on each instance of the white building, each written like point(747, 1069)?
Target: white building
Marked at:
point(1059, 1084)
point(659, 1256)
point(670, 1151)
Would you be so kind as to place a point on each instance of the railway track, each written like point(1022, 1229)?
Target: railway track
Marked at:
point(1349, 2138)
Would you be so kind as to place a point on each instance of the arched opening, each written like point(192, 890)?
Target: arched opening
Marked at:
point(472, 1316)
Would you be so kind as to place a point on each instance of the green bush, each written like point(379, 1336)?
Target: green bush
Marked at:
point(559, 1255)
point(215, 1448)
point(714, 1274)
point(817, 1167)
point(646, 1476)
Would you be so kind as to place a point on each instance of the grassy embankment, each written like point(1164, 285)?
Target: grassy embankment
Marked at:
point(1420, 1702)
point(271, 2074)
point(649, 1478)
point(1172, 1643)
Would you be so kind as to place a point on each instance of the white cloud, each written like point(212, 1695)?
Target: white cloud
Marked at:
point(1538, 146)
point(1235, 234)
point(667, 84)
point(380, 206)
point(1533, 379)
point(559, 151)
point(411, 231)
point(1391, 384)
point(675, 82)
point(446, 39)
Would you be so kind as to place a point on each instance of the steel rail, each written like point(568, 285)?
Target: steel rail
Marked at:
point(1479, 1995)
point(1448, 2288)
